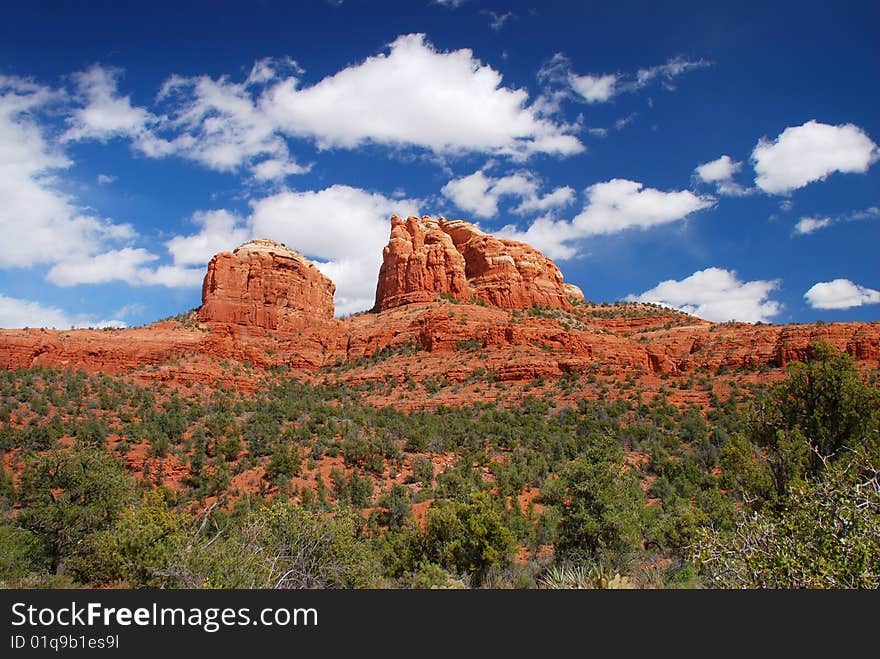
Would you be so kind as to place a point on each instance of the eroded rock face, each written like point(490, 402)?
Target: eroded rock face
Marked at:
point(264, 284)
point(425, 258)
point(419, 262)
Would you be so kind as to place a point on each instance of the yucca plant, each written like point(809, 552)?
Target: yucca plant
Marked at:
point(567, 576)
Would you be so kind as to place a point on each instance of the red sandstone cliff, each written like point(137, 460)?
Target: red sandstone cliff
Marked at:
point(426, 257)
point(264, 284)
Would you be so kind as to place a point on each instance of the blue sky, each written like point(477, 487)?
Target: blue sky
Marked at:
point(720, 159)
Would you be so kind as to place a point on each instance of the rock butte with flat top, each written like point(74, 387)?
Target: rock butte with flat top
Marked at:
point(264, 284)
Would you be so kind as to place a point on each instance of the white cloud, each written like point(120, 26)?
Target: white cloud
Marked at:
point(840, 294)
point(170, 276)
point(733, 189)
point(871, 213)
point(472, 194)
point(721, 172)
point(354, 292)
point(220, 231)
point(668, 71)
point(811, 152)
point(220, 124)
point(807, 225)
point(547, 234)
point(620, 204)
point(721, 169)
point(415, 95)
point(612, 206)
point(594, 89)
point(25, 313)
point(268, 69)
point(452, 4)
point(479, 194)
point(343, 229)
point(716, 294)
point(600, 88)
point(274, 169)
point(38, 222)
point(106, 114)
point(497, 19)
point(105, 179)
point(127, 310)
point(43, 224)
point(127, 265)
point(115, 265)
point(623, 122)
point(330, 223)
point(559, 197)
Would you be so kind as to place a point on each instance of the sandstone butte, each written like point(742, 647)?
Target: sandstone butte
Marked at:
point(453, 304)
point(426, 257)
point(264, 284)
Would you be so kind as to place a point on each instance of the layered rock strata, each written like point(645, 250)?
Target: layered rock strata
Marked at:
point(426, 258)
point(264, 284)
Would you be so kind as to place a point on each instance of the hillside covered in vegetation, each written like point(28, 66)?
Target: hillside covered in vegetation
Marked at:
point(110, 482)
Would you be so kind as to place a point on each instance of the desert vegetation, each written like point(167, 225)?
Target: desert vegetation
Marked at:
point(106, 482)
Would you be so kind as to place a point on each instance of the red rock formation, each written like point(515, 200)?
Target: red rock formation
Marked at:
point(264, 284)
point(447, 341)
point(426, 257)
point(572, 291)
point(266, 306)
point(106, 351)
point(419, 261)
point(712, 346)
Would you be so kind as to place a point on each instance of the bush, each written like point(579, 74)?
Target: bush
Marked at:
point(398, 505)
point(284, 463)
point(826, 536)
point(462, 538)
point(283, 545)
point(423, 471)
point(603, 511)
point(68, 495)
point(822, 411)
point(21, 554)
point(138, 548)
